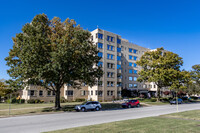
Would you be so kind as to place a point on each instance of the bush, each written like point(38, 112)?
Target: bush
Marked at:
point(31, 101)
point(35, 101)
point(80, 100)
point(63, 100)
point(153, 99)
point(194, 97)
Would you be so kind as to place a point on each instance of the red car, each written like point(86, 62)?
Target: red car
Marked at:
point(131, 103)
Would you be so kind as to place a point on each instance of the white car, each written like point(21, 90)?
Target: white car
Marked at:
point(90, 105)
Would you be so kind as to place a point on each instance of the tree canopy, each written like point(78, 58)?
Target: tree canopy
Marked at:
point(51, 53)
point(163, 68)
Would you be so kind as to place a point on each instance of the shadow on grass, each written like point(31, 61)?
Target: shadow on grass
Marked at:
point(70, 108)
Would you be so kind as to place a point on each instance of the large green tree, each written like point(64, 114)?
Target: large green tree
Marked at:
point(4, 89)
point(161, 67)
point(194, 88)
point(51, 53)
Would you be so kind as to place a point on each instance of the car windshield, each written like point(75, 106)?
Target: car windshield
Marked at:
point(128, 101)
point(83, 103)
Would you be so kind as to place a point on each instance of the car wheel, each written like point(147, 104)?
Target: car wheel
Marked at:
point(129, 106)
point(138, 105)
point(97, 109)
point(83, 109)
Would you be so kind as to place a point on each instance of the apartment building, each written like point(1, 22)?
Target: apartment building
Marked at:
point(118, 62)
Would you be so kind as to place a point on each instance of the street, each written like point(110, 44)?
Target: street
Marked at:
point(50, 122)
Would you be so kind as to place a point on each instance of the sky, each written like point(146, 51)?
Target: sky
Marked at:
point(172, 24)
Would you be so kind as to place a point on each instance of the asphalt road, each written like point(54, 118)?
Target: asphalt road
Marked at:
point(49, 122)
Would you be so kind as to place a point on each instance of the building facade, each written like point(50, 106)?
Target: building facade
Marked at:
point(118, 63)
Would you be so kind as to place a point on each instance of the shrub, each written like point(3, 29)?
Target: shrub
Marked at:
point(153, 99)
point(31, 101)
point(63, 100)
point(22, 100)
point(194, 97)
point(80, 100)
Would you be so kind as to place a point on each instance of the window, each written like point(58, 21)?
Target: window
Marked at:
point(130, 85)
point(54, 93)
point(99, 35)
point(130, 50)
point(130, 71)
point(118, 58)
point(100, 64)
point(110, 39)
point(110, 74)
point(69, 92)
point(118, 41)
point(135, 71)
point(100, 45)
point(109, 47)
point(48, 93)
point(32, 92)
point(91, 92)
point(130, 78)
point(135, 85)
point(119, 66)
point(130, 64)
point(130, 57)
point(96, 92)
point(100, 54)
point(135, 58)
point(83, 93)
point(119, 84)
point(100, 93)
point(135, 65)
point(110, 65)
point(111, 93)
point(40, 93)
point(110, 83)
point(154, 86)
point(108, 93)
point(135, 51)
point(118, 49)
point(135, 78)
point(110, 56)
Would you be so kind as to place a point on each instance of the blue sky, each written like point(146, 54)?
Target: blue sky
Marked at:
point(172, 24)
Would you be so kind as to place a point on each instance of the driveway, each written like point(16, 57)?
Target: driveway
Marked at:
point(49, 122)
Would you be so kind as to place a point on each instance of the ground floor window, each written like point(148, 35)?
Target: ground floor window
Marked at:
point(83, 93)
point(32, 92)
point(48, 93)
point(40, 93)
point(69, 92)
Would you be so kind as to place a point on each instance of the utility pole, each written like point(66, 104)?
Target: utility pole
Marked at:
point(10, 105)
point(177, 100)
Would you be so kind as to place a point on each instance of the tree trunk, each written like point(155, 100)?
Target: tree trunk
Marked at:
point(57, 99)
point(158, 94)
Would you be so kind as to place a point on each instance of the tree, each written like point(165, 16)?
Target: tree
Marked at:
point(161, 67)
point(51, 53)
point(4, 90)
point(194, 88)
point(195, 74)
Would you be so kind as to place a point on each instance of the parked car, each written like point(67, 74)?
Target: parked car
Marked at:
point(175, 100)
point(89, 105)
point(131, 103)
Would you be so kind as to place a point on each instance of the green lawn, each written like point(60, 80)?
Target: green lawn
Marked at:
point(22, 109)
point(172, 123)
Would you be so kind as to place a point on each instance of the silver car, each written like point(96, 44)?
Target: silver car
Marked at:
point(90, 105)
